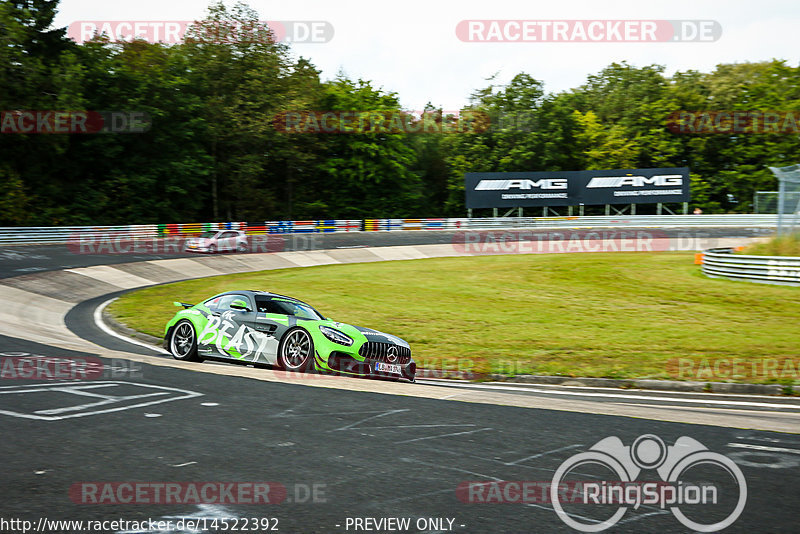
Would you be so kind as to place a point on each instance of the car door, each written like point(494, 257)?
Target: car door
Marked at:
point(228, 327)
point(224, 241)
point(273, 321)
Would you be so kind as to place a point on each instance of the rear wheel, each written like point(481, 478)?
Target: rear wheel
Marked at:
point(296, 352)
point(212, 249)
point(183, 342)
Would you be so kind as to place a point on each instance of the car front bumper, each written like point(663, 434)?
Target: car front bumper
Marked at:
point(345, 363)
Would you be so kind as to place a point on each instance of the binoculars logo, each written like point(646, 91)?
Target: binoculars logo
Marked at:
point(648, 452)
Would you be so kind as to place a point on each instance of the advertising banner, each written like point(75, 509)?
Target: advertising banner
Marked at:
point(572, 188)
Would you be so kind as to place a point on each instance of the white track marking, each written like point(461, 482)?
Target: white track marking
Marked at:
point(56, 411)
point(383, 414)
point(450, 468)
point(526, 386)
point(443, 435)
point(763, 448)
point(628, 397)
point(98, 320)
point(575, 446)
point(71, 387)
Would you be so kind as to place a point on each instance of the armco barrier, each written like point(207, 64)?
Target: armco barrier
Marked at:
point(306, 227)
point(59, 235)
point(642, 221)
point(723, 263)
point(64, 234)
point(190, 229)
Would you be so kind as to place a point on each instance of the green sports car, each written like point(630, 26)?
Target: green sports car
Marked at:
point(258, 327)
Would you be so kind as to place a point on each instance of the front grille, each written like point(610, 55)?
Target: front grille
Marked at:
point(380, 352)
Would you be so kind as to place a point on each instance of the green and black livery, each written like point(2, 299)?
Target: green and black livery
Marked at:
point(258, 327)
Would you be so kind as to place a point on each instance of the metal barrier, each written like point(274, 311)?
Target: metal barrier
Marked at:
point(642, 221)
point(307, 227)
point(723, 263)
point(67, 234)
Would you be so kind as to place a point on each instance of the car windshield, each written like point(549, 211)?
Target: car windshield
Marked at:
point(208, 235)
point(288, 307)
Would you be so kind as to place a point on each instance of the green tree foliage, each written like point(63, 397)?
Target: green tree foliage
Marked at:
point(215, 150)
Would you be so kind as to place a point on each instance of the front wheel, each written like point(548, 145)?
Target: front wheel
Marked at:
point(212, 249)
point(296, 352)
point(183, 342)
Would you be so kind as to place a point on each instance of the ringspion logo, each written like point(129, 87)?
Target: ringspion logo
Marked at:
point(677, 489)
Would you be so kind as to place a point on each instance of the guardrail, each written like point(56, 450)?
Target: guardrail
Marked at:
point(59, 235)
point(723, 263)
point(67, 234)
point(644, 221)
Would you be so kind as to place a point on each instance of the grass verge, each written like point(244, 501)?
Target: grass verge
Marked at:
point(615, 315)
point(785, 245)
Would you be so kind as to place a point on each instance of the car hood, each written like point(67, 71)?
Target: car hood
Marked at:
point(356, 332)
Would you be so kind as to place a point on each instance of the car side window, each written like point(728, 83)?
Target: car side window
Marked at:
point(225, 302)
point(267, 305)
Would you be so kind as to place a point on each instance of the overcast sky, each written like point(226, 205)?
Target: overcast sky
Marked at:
point(411, 47)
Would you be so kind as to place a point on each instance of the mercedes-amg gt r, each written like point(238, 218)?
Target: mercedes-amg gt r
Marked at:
point(258, 327)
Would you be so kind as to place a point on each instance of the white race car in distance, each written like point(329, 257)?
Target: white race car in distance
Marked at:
point(218, 241)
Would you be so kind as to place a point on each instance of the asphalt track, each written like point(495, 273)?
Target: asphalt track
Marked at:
point(17, 260)
point(346, 449)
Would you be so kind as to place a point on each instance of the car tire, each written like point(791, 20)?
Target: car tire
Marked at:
point(183, 342)
point(296, 351)
point(212, 249)
point(242, 247)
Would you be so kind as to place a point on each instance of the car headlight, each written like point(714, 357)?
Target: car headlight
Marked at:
point(336, 336)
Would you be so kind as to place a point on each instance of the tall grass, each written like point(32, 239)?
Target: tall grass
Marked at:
point(785, 245)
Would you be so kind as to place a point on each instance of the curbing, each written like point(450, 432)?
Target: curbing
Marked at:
point(660, 385)
point(126, 331)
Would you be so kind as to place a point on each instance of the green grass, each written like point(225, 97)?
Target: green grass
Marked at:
point(785, 245)
point(618, 315)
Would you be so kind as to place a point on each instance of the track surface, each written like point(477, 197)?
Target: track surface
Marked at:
point(368, 455)
point(18, 260)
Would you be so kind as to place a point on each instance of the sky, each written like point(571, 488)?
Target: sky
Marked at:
point(412, 48)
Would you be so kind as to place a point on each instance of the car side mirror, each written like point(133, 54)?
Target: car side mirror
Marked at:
point(239, 304)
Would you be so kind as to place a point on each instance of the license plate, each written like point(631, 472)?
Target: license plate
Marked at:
point(387, 368)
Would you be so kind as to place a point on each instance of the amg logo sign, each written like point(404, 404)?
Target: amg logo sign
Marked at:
point(505, 185)
point(662, 180)
point(519, 189)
